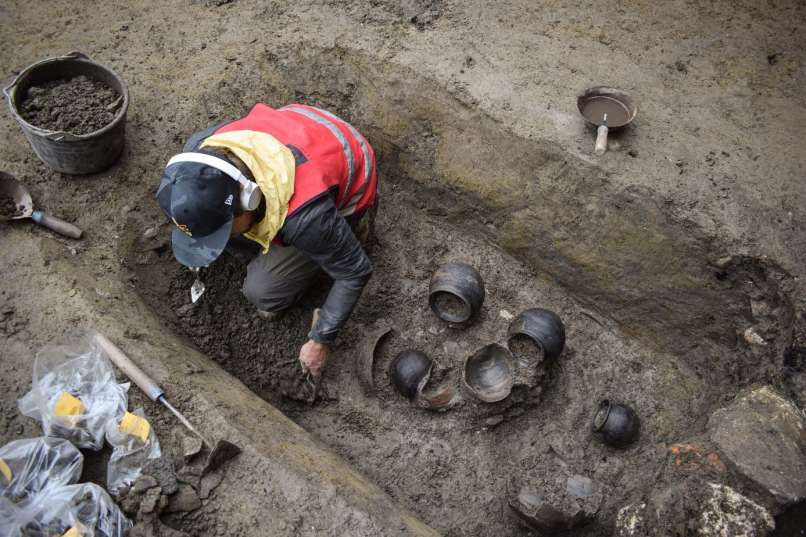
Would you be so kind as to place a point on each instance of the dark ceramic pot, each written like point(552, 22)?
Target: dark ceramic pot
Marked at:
point(410, 371)
point(616, 425)
point(456, 293)
point(542, 326)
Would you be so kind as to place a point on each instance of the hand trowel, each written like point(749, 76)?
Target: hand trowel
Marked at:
point(198, 288)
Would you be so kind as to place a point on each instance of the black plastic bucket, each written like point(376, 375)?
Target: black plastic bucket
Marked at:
point(63, 151)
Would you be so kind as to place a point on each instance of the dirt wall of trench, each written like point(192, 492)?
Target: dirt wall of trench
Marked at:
point(621, 251)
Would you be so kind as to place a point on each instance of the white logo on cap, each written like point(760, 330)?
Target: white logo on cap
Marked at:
point(229, 200)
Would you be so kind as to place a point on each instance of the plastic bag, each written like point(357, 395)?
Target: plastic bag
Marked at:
point(133, 442)
point(74, 392)
point(29, 466)
point(9, 517)
point(85, 508)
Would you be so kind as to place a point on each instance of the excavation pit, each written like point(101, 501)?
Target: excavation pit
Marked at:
point(421, 458)
point(628, 281)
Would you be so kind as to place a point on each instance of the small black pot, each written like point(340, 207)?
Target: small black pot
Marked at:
point(616, 425)
point(458, 283)
point(544, 327)
point(410, 371)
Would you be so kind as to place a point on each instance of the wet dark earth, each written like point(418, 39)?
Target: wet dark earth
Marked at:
point(457, 469)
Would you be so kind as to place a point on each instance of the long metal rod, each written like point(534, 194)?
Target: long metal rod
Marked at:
point(183, 419)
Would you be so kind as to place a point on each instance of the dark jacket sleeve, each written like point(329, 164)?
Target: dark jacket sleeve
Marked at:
point(197, 138)
point(320, 232)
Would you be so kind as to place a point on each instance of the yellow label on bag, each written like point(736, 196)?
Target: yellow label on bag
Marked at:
point(67, 405)
point(135, 426)
point(73, 532)
point(6, 471)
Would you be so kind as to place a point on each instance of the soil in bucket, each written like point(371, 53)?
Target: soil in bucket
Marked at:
point(78, 105)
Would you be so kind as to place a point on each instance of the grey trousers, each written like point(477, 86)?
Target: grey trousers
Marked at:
point(276, 280)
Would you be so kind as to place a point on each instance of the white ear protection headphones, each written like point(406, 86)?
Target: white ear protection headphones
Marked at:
point(250, 193)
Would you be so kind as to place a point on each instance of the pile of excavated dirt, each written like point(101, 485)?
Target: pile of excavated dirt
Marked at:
point(78, 105)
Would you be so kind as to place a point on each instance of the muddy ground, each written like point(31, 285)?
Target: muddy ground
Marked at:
point(454, 466)
point(669, 258)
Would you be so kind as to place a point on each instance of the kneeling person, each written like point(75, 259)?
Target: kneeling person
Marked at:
point(297, 181)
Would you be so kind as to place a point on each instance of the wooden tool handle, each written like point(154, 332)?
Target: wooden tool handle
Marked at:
point(57, 224)
point(601, 140)
point(131, 370)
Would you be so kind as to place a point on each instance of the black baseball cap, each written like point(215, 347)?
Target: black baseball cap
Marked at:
point(200, 201)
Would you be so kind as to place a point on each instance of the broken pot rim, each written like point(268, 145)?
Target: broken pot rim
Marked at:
point(602, 410)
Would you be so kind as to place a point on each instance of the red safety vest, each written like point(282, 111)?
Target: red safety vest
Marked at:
point(330, 154)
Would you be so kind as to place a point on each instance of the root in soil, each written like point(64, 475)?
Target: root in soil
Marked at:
point(77, 105)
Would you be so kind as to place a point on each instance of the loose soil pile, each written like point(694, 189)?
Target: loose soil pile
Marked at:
point(78, 105)
point(8, 207)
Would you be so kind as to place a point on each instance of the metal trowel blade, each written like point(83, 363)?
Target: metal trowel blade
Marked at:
point(198, 288)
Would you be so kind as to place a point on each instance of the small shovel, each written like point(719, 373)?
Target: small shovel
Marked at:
point(220, 452)
point(11, 189)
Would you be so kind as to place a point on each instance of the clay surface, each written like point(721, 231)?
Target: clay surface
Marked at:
point(78, 105)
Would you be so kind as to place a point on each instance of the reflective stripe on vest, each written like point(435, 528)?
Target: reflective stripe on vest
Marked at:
point(329, 153)
point(368, 162)
point(334, 130)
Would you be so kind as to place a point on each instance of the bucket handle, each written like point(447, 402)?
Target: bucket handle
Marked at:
point(72, 55)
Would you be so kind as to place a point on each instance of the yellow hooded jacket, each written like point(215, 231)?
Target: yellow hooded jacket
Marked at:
point(272, 165)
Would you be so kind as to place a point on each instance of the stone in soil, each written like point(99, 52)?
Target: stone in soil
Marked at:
point(695, 509)
point(8, 207)
point(162, 469)
point(764, 436)
point(450, 305)
point(183, 501)
point(78, 105)
point(143, 483)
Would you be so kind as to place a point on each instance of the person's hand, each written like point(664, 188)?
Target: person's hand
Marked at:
point(313, 357)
